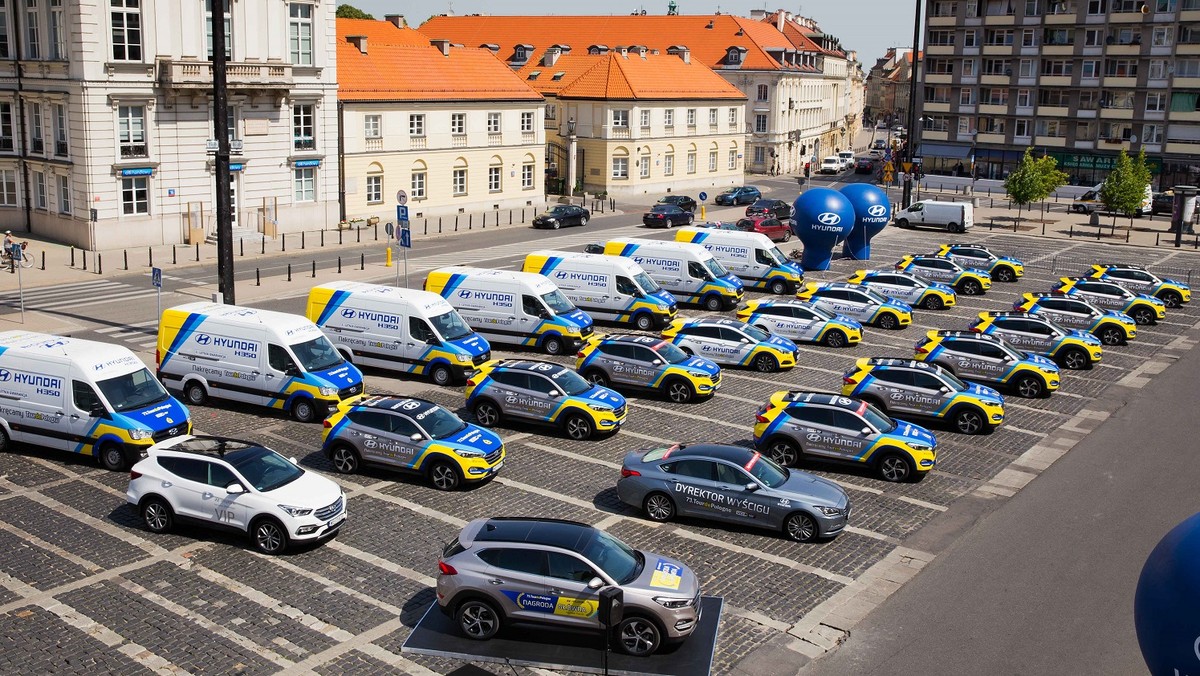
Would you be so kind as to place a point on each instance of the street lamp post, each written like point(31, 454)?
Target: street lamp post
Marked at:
point(906, 199)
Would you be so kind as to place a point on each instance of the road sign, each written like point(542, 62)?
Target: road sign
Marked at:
point(888, 177)
point(888, 166)
point(156, 277)
point(907, 166)
point(389, 229)
point(405, 236)
point(703, 196)
point(401, 212)
point(401, 197)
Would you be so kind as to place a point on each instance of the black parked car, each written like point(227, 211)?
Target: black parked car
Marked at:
point(1162, 203)
point(666, 216)
point(560, 215)
point(682, 201)
point(766, 207)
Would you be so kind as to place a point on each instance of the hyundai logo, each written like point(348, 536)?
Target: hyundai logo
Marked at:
point(5, 374)
point(876, 210)
point(202, 339)
point(829, 218)
point(561, 274)
point(464, 294)
point(348, 313)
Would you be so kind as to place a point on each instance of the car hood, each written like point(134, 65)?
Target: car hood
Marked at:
point(914, 433)
point(666, 576)
point(793, 267)
point(603, 395)
point(1084, 336)
point(944, 288)
point(1040, 361)
point(985, 392)
point(700, 364)
point(1173, 282)
point(1011, 260)
point(341, 376)
point(843, 319)
point(473, 344)
point(804, 486)
point(474, 438)
point(899, 305)
point(732, 279)
point(1149, 299)
point(310, 490)
point(1119, 316)
point(158, 417)
point(664, 296)
point(781, 343)
point(577, 317)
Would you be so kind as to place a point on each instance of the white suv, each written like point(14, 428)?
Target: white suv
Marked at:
point(234, 485)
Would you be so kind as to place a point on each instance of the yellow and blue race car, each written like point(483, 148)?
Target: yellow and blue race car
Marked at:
point(916, 388)
point(1069, 348)
point(648, 363)
point(1144, 309)
point(858, 302)
point(966, 281)
point(545, 393)
point(908, 288)
point(979, 257)
point(727, 341)
point(1110, 326)
point(1140, 280)
point(988, 359)
point(797, 320)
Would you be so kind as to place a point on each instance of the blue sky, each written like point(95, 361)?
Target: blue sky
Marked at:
point(869, 26)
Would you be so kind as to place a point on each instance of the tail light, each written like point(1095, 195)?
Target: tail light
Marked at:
point(626, 472)
point(445, 568)
point(1017, 306)
point(135, 475)
point(760, 418)
point(975, 329)
point(326, 424)
point(157, 356)
point(921, 350)
point(471, 382)
point(847, 380)
point(579, 354)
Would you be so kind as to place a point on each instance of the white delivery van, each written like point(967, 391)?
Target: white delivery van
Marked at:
point(254, 356)
point(83, 396)
point(606, 287)
point(404, 330)
point(752, 256)
point(688, 271)
point(520, 308)
point(847, 158)
point(950, 216)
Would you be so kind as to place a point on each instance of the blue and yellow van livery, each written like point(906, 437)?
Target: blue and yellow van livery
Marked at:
point(543, 392)
point(688, 271)
point(750, 256)
point(609, 288)
point(648, 363)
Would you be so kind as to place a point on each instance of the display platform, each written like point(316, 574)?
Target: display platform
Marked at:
point(533, 645)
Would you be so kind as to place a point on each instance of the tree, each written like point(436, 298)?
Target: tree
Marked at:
point(1049, 177)
point(351, 12)
point(1125, 187)
point(1024, 184)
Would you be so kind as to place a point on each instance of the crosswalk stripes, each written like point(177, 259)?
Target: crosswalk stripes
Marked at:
point(75, 295)
point(143, 335)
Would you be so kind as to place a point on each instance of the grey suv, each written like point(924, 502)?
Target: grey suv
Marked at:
point(505, 570)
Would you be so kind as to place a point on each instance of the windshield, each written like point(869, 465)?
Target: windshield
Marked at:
point(646, 283)
point(776, 256)
point(874, 295)
point(756, 333)
point(953, 380)
point(557, 302)
point(715, 269)
point(440, 423)
point(571, 382)
point(618, 560)
point(317, 354)
point(820, 312)
point(877, 419)
point(768, 472)
point(1009, 351)
point(132, 391)
point(450, 326)
point(264, 469)
point(670, 353)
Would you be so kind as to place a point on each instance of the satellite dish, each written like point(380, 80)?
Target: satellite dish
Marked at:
point(1132, 139)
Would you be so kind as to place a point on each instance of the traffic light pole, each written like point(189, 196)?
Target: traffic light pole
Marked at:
point(912, 105)
point(221, 131)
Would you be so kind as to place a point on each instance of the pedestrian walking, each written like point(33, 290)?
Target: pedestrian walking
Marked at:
point(8, 249)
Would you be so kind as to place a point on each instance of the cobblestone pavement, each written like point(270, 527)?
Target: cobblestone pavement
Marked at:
point(84, 589)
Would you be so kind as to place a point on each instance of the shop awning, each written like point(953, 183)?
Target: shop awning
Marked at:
point(949, 150)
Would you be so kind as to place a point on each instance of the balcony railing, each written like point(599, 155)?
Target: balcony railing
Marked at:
point(304, 143)
point(458, 141)
point(37, 145)
point(197, 74)
point(495, 139)
point(418, 142)
point(60, 148)
point(132, 150)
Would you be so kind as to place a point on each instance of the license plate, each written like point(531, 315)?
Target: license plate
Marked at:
point(334, 525)
point(496, 468)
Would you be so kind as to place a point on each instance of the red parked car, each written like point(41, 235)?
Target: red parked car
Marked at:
point(777, 230)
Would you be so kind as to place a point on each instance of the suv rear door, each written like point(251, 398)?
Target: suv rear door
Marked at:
point(515, 578)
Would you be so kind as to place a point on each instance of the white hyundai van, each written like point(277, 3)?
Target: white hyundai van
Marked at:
point(608, 288)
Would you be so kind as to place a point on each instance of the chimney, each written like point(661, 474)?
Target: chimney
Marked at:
point(551, 56)
point(397, 20)
point(758, 14)
point(681, 51)
point(780, 19)
point(442, 45)
point(359, 41)
point(623, 51)
point(640, 50)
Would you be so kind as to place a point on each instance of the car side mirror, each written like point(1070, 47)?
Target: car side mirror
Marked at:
point(595, 583)
point(545, 314)
point(97, 410)
point(944, 390)
point(745, 339)
point(234, 489)
point(865, 430)
point(751, 486)
point(554, 393)
point(293, 460)
point(657, 362)
point(416, 436)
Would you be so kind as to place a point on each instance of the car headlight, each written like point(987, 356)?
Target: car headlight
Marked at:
point(468, 452)
point(920, 447)
point(698, 374)
point(600, 409)
point(1048, 370)
point(296, 511)
point(327, 391)
point(463, 358)
point(829, 511)
point(139, 434)
point(673, 603)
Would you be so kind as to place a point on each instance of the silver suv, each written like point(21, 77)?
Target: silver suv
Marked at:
point(505, 570)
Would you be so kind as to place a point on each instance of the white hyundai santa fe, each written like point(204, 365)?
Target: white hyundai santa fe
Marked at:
point(234, 485)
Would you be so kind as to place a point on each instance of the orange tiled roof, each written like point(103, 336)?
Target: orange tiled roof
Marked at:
point(400, 65)
point(707, 45)
point(628, 77)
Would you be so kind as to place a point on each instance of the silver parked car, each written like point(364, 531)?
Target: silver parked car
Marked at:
point(505, 570)
point(733, 484)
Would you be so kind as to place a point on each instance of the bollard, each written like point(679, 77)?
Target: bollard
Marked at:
point(339, 265)
point(702, 207)
point(1072, 232)
point(314, 269)
point(470, 221)
point(1127, 235)
point(1156, 239)
point(362, 261)
point(358, 235)
point(241, 247)
point(322, 237)
point(439, 225)
point(388, 263)
point(150, 255)
point(72, 256)
point(257, 279)
point(1043, 227)
point(174, 256)
point(302, 240)
point(377, 232)
point(43, 260)
point(197, 252)
point(522, 214)
point(84, 255)
point(99, 264)
point(456, 223)
point(339, 236)
point(263, 250)
point(283, 241)
point(125, 253)
point(510, 216)
point(289, 272)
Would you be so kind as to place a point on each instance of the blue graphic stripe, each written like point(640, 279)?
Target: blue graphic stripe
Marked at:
point(335, 302)
point(551, 263)
point(185, 331)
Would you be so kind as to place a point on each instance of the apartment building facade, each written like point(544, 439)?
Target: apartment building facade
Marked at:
point(1076, 79)
point(106, 114)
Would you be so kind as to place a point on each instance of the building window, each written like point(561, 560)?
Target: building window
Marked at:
point(458, 123)
point(526, 122)
point(620, 118)
point(373, 126)
point(966, 97)
point(691, 117)
point(620, 167)
point(494, 184)
point(493, 123)
point(227, 22)
point(4, 51)
point(669, 117)
point(970, 38)
point(669, 164)
point(304, 127)
point(691, 162)
point(1161, 37)
point(416, 125)
point(644, 114)
point(733, 159)
point(125, 17)
point(1089, 99)
point(1023, 98)
point(644, 165)
point(58, 31)
point(968, 67)
point(7, 135)
point(131, 131)
point(33, 47)
point(760, 154)
point(966, 125)
point(300, 33)
point(1090, 68)
point(1093, 37)
point(458, 182)
point(733, 117)
point(60, 130)
point(551, 111)
point(37, 141)
point(64, 195)
point(712, 117)
point(374, 188)
point(762, 93)
point(760, 123)
point(1097, 7)
point(1031, 8)
point(1152, 133)
point(1028, 38)
point(712, 160)
point(39, 189)
point(304, 180)
point(1051, 128)
point(417, 185)
point(527, 176)
point(8, 188)
point(1156, 102)
point(135, 196)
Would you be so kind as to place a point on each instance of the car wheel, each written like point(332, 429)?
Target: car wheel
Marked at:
point(444, 476)
point(112, 457)
point(555, 225)
point(713, 303)
point(901, 222)
point(1075, 359)
point(969, 420)
point(659, 507)
point(477, 619)
point(970, 287)
point(4, 441)
point(933, 302)
point(1171, 299)
point(800, 527)
point(1005, 274)
point(583, 220)
point(1030, 386)
point(344, 458)
point(765, 363)
point(783, 451)
point(787, 234)
point(578, 427)
point(597, 377)
point(834, 338)
point(895, 468)
point(553, 345)
point(487, 414)
point(304, 410)
point(269, 536)
point(195, 394)
point(1143, 316)
point(679, 391)
point(638, 636)
point(888, 321)
point(1111, 335)
point(157, 515)
point(644, 322)
point(441, 375)
point(779, 287)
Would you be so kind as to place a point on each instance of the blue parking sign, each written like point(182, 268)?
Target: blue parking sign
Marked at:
point(401, 213)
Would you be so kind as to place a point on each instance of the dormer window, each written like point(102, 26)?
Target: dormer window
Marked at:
point(733, 55)
point(519, 54)
point(534, 75)
point(558, 76)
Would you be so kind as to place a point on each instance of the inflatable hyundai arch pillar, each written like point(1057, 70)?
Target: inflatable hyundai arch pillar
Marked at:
point(872, 211)
point(823, 216)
